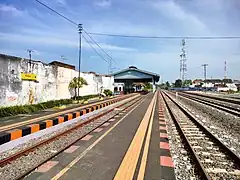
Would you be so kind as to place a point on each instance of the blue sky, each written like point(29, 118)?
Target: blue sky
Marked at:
point(28, 25)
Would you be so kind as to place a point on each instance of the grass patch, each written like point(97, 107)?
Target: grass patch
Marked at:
point(26, 109)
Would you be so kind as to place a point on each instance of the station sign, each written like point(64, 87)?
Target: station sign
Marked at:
point(28, 76)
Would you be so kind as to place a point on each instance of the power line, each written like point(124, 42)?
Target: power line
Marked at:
point(136, 36)
point(94, 49)
point(110, 58)
point(98, 45)
point(166, 37)
point(109, 70)
point(71, 21)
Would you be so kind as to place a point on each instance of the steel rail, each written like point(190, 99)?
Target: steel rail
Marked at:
point(203, 173)
point(32, 148)
point(217, 98)
point(235, 158)
point(37, 119)
point(231, 110)
point(228, 109)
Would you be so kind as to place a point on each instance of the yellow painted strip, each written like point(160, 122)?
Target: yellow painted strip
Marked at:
point(7, 127)
point(129, 163)
point(146, 147)
point(80, 156)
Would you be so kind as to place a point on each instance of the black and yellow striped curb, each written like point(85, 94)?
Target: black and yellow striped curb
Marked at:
point(32, 128)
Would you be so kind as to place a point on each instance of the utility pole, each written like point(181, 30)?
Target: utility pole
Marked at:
point(225, 69)
point(205, 73)
point(30, 58)
point(183, 65)
point(80, 28)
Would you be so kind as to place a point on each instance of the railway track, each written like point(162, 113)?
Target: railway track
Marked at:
point(232, 109)
point(52, 115)
point(213, 159)
point(230, 100)
point(48, 149)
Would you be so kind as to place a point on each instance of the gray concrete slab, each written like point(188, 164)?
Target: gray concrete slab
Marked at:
point(153, 163)
point(103, 160)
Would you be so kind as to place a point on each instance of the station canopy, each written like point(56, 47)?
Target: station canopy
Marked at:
point(135, 75)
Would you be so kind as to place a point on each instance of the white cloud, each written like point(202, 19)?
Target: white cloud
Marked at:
point(113, 47)
point(174, 11)
point(61, 2)
point(58, 41)
point(103, 3)
point(10, 9)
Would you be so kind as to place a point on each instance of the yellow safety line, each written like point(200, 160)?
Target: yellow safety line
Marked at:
point(64, 170)
point(146, 147)
point(7, 127)
point(129, 163)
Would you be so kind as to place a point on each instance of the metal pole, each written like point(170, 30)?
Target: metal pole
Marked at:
point(205, 74)
point(79, 56)
point(30, 58)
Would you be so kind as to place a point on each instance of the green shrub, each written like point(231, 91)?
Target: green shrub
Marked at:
point(108, 92)
point(85, 97)
point(26, 109)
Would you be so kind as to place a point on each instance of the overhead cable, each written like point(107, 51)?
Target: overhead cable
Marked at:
point(98, 45)
point(137, 36)
point(71, 21)
point(165, 37)
point(94, 49)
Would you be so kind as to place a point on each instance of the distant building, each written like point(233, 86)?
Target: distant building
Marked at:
point(131, 80)
point(29, 82)
point(197, 81)
point(216, 84)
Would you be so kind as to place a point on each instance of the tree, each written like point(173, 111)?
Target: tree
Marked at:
point(178, 83)
point(187, 82)
point(77, 83)
point(148, 86)
point(167, 84)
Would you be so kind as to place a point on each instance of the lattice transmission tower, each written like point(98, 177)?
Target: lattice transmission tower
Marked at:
point(183, 65)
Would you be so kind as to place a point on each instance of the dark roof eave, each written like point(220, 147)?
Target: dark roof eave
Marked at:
point(156, 76)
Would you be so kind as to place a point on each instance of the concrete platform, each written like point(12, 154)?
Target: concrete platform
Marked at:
point(4, 121)
point(101, 154)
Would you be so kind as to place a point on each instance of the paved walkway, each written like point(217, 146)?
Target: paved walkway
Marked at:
point(126, 148)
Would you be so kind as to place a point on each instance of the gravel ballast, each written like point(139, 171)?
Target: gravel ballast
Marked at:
point(207, 150)
point(24, 163)
point(221, 124)
point(183, 166)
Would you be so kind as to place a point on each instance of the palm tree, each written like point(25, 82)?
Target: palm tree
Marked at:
point(77, 83)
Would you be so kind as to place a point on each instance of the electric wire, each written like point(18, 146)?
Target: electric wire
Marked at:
point(141, 37)
point(166, 37)
point(94, 49)
point(71, 21)
point(98, 45)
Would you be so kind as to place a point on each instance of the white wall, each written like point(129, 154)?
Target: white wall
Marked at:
point(232, 86)
point(65, 76)
point(119, 85)
point(52, 82)
point(208, 85)
point(15, 91)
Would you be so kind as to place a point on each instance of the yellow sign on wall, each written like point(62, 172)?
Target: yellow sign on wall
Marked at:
point(31, 77)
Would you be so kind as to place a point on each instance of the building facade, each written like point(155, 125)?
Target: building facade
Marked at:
point(30, 82)
point(125, 81)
